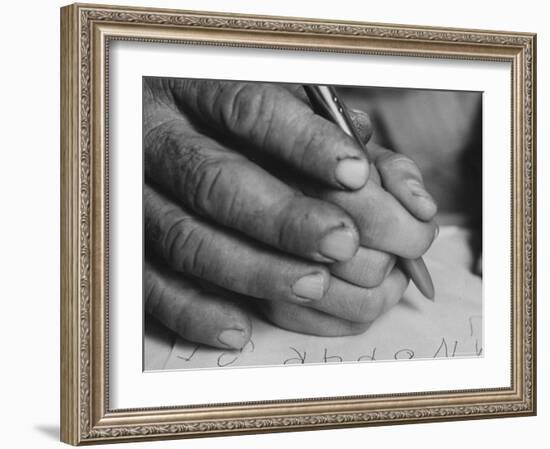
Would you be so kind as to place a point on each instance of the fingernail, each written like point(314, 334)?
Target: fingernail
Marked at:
point(310, 287)
point(436, 232)
point(232, 338)
point(352, 173)
point(340, 244)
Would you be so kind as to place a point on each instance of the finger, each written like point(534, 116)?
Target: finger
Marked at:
point(309, 321)
point(270, 119)
point(363, 305)
point(226, 187)
point(368, 268)
point(383, 222)
point(294, 317)
point(185, 308)
point(192, 246)
point(402, 178)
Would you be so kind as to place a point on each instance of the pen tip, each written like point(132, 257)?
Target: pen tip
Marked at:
point(420, 275)
point(430, 294)
point(426, 286)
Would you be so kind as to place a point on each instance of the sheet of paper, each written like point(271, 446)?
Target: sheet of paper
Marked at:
point(451, 326)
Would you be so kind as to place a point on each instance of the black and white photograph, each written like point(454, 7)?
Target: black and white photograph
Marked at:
point(309, 224)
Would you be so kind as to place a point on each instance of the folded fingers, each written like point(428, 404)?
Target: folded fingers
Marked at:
point(229, 189)
point(346, 309)
point(193, 246)
point(359, 304)
point(383, 222)
point(185, 308)
point(309, 321)
point(274, 121)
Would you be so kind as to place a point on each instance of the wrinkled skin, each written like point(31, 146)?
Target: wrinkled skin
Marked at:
point(249, 194)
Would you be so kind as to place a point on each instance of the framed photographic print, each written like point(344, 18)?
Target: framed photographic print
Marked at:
point(281, 224)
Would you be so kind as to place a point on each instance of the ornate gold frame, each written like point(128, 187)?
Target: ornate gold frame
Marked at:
point(86, 31)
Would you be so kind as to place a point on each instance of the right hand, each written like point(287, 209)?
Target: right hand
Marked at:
point(212, 216)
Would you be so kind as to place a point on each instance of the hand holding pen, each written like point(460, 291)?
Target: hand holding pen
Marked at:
point(327, 103)
point(224, 218)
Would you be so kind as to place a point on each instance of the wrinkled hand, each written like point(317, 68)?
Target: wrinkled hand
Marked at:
point(227, 165)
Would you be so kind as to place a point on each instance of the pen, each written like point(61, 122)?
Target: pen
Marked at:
point(326, 103)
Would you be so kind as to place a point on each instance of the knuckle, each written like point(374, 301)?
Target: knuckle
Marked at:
point(183, 246)
point(152, 231)
point(206, 175)
point(158, 140)
point(291, 221)
point(206, 181)
point(154, 292)
point(307, 144)
point(245, 108)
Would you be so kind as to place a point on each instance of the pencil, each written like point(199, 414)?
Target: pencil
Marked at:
point(327, 103)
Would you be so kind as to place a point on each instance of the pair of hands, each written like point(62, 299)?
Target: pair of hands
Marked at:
point(250, 194)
